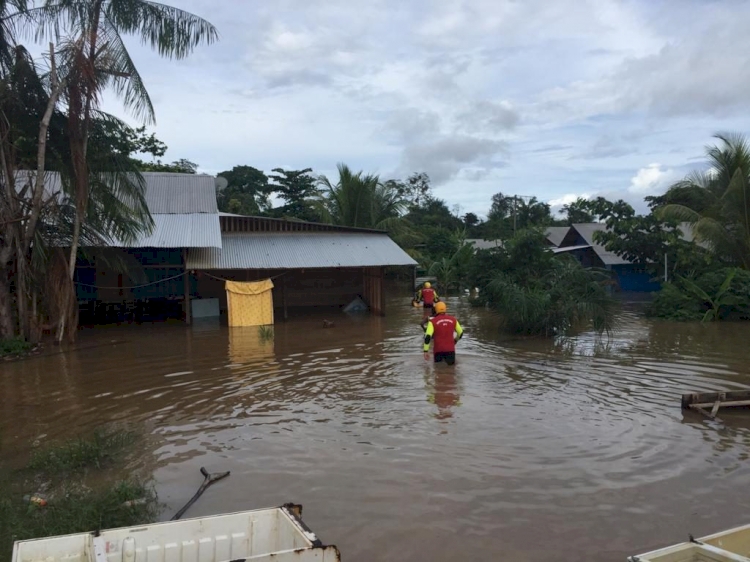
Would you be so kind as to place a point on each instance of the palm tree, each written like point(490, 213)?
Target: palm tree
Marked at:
point(716, 203)
point(360, 200)
point(94, 57)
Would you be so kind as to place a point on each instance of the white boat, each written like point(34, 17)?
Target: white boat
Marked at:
point(262, 535)
point(728, 546)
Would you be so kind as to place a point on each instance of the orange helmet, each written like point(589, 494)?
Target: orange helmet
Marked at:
point(440, 307)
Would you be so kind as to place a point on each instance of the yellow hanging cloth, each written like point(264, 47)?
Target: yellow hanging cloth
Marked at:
point(251, 303)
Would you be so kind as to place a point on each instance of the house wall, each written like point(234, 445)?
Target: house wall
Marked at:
point(106, 294)
point(296, 288)
point(634, 278)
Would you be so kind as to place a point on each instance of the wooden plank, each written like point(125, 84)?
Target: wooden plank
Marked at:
point(705, 413)
point(715, 408)
point(707, 399)
point(727, 404)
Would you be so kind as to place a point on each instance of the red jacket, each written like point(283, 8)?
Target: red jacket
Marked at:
point(428, 296)
point(440, 330)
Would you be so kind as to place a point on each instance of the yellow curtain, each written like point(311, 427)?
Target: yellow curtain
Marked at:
point(251, 303)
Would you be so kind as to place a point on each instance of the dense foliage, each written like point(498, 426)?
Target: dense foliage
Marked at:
point(537, 293)
point(721, 294)
point(50, 120)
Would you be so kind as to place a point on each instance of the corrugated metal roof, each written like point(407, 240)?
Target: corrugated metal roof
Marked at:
point(568, 249)
point(296, 250)
point(197, 230)
point(555, 234)
point(586, 230)
point(180, 193)
point(166, 193)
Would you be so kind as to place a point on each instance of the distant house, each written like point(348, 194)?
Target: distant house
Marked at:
point(630, 277)
point(555, 234)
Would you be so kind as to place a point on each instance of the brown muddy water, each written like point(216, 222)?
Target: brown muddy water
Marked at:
point(527, 450)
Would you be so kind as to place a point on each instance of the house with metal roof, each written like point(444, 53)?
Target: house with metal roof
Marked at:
point(555, 235)
point(630, 277)
point(182, 264)
point(311, 264)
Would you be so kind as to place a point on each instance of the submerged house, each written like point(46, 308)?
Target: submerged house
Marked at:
point(180, 269)
point(630, 277)
point(578, 240)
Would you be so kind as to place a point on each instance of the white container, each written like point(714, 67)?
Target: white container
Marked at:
point(262, 535)
point(728, 546)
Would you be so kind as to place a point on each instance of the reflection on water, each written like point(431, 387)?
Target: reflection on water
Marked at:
point(573, 449)
point(443, 391)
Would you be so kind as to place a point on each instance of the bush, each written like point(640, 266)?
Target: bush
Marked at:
point(98, 450)
point(722, 294)
point(73, 505)
point(14, 347)
point(566, 297)
point(538, 293)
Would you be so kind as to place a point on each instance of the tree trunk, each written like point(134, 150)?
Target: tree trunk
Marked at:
point(38, 192)
point(7, 325)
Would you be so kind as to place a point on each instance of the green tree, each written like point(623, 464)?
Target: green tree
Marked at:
point(94, 58)
point(360, 200)
point(247, 191)
point(716, 203)
point(297, 188)
point(181, 166)
point(433, 212)
point(579, 211)
point(537, 293)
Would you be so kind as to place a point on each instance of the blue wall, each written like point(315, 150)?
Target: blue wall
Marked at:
point(634, 278)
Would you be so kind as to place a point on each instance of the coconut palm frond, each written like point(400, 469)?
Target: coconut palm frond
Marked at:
point(679, 213)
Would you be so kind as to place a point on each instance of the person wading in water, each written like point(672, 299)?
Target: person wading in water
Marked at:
point(444, 331)
point(429, 297)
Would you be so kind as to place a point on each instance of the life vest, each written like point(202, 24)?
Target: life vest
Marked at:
point(428, 296)
point(445, 326)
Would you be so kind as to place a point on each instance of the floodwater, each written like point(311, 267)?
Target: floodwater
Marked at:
point(527, 450)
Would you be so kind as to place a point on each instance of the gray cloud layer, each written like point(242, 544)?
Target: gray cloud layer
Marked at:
point(549, 98)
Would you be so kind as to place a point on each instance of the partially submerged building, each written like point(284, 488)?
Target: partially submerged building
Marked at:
point(579, 241)
point(180, 269)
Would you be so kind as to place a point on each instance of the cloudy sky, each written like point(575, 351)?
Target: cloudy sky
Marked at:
point(530, 97)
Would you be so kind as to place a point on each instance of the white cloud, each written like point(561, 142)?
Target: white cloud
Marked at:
point(551, 99)
point(567, 199)
point(651, 180)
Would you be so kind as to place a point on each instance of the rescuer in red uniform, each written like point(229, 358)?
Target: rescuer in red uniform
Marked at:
point(443, 330)
point(429, 297)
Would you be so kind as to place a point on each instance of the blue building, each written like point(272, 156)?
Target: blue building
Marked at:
point(579, 241)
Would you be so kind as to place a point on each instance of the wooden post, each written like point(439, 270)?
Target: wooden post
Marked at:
point(186, 281)
point(382, 291)
point(283, 295)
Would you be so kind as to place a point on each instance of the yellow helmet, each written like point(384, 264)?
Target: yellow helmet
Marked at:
point(427, 285)
point(440, 307)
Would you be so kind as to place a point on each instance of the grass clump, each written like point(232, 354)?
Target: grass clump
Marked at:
point(265, 333)
point(14, 347)
point(81, 495)
point(75, 510)
point(96, 451)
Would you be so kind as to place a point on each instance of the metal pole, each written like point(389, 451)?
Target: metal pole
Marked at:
point(665, 267)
